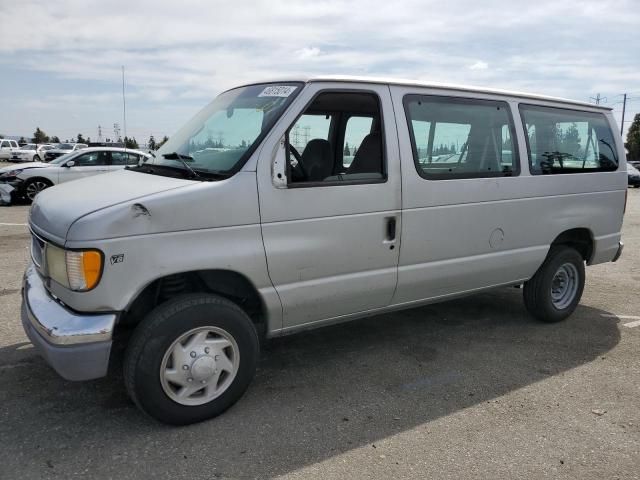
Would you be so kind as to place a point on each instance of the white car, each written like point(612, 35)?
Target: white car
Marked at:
point(29, 179)
point(7, 147)
point(63, 149)
point(31, 152)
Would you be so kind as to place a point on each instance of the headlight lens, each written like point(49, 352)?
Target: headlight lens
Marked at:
point(79, 270)
point(10, 174)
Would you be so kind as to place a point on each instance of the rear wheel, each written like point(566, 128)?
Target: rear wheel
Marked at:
point(34, 186)
point(191, 358)
point(554, 292)
point(35, 158)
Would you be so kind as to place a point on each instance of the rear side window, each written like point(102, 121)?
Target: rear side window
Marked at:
point(461, 138)
point(124, 158)
point(567, 141)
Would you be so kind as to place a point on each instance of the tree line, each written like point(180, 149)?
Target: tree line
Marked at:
point(633, 139)
point(39, 136)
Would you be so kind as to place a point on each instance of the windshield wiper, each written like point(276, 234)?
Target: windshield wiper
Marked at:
point(182, 158)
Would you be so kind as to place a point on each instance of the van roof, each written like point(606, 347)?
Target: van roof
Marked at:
point(433, 85)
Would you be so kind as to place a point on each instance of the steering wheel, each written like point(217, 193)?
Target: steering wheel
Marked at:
point(298, 169)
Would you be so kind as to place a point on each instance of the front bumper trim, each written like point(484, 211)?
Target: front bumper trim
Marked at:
point(58, 325)
point(77, 346)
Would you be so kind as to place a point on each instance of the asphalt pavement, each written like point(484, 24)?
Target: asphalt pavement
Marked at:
point(471, 388)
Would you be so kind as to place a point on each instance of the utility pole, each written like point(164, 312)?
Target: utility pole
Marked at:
point(99, 134)
point(124, 106)
point(598, 99)
point(624, 106)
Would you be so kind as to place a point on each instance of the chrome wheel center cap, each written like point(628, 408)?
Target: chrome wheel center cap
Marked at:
point(203, 368)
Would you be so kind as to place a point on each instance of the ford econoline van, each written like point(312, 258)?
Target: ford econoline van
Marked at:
point(289, 205)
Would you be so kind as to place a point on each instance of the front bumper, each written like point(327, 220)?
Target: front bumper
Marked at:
point(77, 346)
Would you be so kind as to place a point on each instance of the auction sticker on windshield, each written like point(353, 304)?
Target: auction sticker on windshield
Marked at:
point(277, 91)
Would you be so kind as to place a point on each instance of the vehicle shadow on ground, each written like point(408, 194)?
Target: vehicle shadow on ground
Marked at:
point(315, 395)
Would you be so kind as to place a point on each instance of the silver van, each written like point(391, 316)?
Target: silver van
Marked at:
point(289, 205)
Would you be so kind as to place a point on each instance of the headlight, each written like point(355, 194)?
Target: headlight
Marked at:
point(79, 270)
point(11, 173)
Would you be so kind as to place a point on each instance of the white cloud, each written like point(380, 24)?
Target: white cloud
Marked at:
point(479, 65)
point(307, 52)
point(187, 51)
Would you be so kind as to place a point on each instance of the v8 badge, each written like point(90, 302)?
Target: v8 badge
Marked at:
point(119, 258)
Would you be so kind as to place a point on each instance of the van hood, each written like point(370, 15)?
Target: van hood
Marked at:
point(57, 208)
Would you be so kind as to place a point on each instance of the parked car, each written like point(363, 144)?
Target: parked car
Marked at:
point(633, 175)
point(63, 149)
point(201, 257)
point(7, 147)
point(31, 152)
point(31, 178)
point(635, 163)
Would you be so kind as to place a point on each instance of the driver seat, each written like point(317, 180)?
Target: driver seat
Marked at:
point(317, 160)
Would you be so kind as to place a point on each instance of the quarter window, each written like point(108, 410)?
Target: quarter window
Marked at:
point(461, 138)
point(567, 141)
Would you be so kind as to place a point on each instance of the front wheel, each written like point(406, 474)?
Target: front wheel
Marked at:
point(34, 186)
point(554, 292)
point(191, 358)
point(35, 158)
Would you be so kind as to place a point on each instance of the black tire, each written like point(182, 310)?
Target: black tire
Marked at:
point(35, 158)
point(537, 291)
point(33, 186)
point(156, 334)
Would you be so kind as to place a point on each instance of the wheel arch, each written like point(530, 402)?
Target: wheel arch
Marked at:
point(229, 284)
point(579, 238)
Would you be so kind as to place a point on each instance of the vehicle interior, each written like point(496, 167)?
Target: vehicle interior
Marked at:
point(338, 138)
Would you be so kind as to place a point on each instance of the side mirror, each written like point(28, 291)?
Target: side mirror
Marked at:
point(70, 163)
point(279, 164)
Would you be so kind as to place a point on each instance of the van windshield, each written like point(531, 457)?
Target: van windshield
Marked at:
point(220, 138)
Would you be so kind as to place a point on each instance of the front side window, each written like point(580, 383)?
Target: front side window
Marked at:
point(461, 138)
point(567, 141)
point(338, 138)
point(220, 138)
point(92, 159)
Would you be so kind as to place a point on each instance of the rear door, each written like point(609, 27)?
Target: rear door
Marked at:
point(331, 235)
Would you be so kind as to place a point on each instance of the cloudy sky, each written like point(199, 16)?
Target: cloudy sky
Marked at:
point(60, 61)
